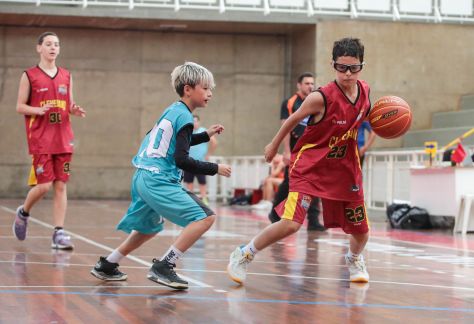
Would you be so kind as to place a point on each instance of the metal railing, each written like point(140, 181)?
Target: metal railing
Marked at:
point(386, 174)
point(431, 11)
point(248, 173)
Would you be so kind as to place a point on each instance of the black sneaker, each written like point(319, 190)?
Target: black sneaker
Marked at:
point(163, 273)
point(108, 271)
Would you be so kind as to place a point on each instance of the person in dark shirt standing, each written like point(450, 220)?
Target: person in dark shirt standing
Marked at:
point(305, 86)
point(362, 144)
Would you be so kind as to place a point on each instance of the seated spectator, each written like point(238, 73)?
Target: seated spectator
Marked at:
point(271, 183)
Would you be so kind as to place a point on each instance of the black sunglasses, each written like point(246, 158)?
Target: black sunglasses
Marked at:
point(354, 68)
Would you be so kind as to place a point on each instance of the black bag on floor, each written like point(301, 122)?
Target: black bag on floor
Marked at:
point(241, 200)
point(406, 217)
point(442, 222)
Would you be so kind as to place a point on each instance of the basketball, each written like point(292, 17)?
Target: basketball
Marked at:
point(390, 117)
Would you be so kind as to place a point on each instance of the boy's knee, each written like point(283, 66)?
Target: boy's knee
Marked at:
point(294, 227)
point(59, 186)
point(44, 187)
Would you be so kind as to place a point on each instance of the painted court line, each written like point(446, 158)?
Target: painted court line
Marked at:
point(452, 248)
point(67, 264)
point(104, 247)
point(243, 300)
point(96, 286)
point(250, 273)
point(201, 284)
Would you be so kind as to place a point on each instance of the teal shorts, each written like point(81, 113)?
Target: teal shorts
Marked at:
point(155, 198)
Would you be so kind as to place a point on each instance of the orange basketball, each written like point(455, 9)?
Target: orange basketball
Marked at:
point(390, 117)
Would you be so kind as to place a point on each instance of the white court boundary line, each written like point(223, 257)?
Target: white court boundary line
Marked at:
point(266, 275)
point(203, 285)
point(88, 287)
point(385, 238)
point(400, 268)
point(104, 247)
point(422, 244)
point(370, 281)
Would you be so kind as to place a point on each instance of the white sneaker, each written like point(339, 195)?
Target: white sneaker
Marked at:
point(237, 267)
point(357, 269)
point(263, 204)
point(257, 205)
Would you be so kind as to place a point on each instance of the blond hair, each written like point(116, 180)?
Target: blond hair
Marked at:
point(191, 74)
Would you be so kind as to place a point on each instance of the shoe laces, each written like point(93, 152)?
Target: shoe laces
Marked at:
point(61, 236)
point(21, 220)
point(359, 264)
point(109, 266)
point(170, 268)
point(246, 259)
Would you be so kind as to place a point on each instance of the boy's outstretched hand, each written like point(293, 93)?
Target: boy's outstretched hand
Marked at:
point(77, 111)
point(224, 170)
point(270, 151)
point(43, 109)
point(215, 129)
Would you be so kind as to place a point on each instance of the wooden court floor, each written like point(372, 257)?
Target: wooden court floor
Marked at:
point(416, 277)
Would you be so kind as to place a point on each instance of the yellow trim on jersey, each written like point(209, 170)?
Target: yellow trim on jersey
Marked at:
point(302, 149)
point(32, 120)
point(32, 181)
point(358, 157)
point(367, 217)
point(290, 205)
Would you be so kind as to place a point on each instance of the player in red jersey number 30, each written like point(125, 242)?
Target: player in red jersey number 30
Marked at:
point(45, 99)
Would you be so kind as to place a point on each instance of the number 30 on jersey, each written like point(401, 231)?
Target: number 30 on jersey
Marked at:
point(160, 139)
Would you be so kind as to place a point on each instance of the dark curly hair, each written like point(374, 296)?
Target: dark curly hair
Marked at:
point(348, 47)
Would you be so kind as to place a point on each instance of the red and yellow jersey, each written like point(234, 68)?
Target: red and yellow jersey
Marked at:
point(325, 160)
point(52, 132)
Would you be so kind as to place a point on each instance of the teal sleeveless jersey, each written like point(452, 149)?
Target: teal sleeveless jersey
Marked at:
point(156, 153)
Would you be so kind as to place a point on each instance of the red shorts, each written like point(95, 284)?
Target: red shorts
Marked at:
point(294, 207)
point(50, 167)
point(350, 216)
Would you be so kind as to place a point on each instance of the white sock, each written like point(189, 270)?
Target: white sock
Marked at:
point(352, 255)
point(115, 256)
point(250, 248)
point(172, 255)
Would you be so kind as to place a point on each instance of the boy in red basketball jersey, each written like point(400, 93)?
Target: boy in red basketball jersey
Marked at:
point(45, 98)
point(324, 163)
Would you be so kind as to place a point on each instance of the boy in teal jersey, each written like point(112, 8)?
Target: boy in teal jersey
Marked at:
point(156, 186)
